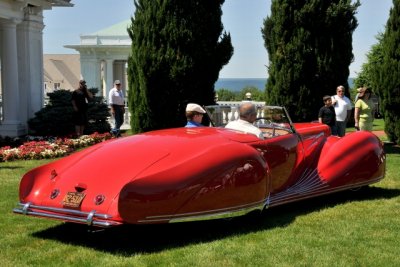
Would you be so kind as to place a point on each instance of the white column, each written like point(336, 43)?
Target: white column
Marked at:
point(30, 66)
point(9, 60)
point(97, 77)
point(109, 75)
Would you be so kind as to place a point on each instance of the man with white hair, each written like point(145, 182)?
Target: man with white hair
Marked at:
point(342, 106)
point(247, 116)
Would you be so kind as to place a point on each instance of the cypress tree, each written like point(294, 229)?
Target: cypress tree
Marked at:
point(389, 74)
point(178, 49)
point(309, 45)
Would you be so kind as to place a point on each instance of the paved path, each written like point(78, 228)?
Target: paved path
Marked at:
point(379, 133)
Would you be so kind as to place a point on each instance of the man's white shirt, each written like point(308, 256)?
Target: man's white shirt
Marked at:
point(342, 106)
point(245, 126)
point(116, 97)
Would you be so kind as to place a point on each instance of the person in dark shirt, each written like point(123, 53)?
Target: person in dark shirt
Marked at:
point(80, 98)
point(327, 114)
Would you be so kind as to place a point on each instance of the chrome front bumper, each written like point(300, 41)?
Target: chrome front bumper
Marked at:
point(90, 218)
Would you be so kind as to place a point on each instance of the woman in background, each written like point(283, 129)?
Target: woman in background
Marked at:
point(364, 110)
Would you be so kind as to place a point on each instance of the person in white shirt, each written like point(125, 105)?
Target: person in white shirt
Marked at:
point(247, 116)
point(117, 105)
point(342, 105)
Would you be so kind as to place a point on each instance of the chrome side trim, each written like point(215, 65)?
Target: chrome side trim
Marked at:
point(209, 215)
point(90, 218)
point(277, 200)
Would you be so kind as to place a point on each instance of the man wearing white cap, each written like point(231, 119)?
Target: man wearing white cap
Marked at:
point(117, 105)
point(194, 115)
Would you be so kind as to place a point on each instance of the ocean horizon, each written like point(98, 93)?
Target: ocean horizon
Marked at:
point(237, 84)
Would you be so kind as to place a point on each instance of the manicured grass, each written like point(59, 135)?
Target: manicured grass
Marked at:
point(352, 228)
point(379, 125)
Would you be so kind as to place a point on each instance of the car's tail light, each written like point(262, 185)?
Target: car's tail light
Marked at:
point(99, 199)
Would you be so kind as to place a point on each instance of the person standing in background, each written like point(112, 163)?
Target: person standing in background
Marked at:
point(116, 101)
point(80, 98)
point(364, 110)
point(342, 105)
point(327, 114)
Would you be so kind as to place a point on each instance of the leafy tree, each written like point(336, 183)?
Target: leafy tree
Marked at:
point(369, 74)
point(309, 45)
point(226, 95)
point(388, 75)
point(256, 94)
point(55, 119)
point(178, 49)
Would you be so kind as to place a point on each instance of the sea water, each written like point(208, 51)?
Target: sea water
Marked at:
point(237, 84)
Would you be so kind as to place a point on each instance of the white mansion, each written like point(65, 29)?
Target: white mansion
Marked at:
point(21, 57)
point(26, 74)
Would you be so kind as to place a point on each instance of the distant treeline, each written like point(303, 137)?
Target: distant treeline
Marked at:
point(235, 89)
point(237, 84)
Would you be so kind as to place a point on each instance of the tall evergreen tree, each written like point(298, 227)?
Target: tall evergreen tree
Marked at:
point(178, 49)
point(389, 74)
point(369, 74)
point(309, 45)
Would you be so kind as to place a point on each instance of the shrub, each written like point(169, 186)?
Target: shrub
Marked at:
point(55, 119)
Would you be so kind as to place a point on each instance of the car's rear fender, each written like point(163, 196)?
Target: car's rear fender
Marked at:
point(222, 178)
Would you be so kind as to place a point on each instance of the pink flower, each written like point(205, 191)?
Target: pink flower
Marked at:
point(46, 149)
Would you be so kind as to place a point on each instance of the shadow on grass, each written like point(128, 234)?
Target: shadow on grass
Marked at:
point(391, 148)
point(133, 239)
point(10, 167)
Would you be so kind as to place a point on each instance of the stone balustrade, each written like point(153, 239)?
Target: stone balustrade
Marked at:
point(226, 111)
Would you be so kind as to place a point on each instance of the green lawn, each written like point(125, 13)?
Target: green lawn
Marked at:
point(352, 228)
point(379, 125)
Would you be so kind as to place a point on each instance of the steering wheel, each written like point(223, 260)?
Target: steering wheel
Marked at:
point(266, 120)
point(269, 122)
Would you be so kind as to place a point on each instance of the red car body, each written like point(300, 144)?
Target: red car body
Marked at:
point(186, 174)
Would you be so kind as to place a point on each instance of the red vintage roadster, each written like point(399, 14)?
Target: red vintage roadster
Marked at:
point(187, 174)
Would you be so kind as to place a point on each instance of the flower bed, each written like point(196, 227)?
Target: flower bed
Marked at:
point(51, 148)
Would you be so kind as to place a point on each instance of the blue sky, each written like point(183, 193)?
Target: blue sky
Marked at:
point(242, 18)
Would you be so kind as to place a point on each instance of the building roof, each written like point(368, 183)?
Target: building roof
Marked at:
point(119, 29)
point(61, 3)
point(64, 69)
point(114, 37)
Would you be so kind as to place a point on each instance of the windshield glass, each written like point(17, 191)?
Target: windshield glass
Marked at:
point(220, 115)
